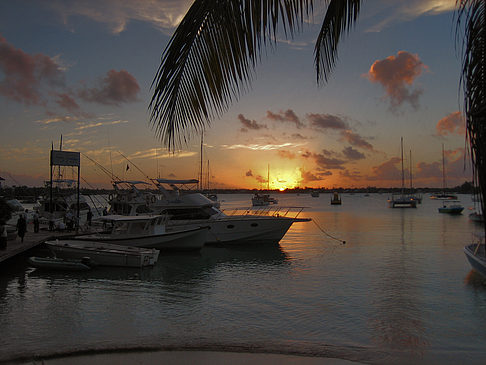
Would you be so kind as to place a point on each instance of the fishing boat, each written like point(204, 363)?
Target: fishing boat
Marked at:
point(443, 195)
point(402, 200)
point(148, 231)
point(187, 210)
point(336, 199)
point(476, 255)
point(54, 263)
point(451, 207)
point(103, 254)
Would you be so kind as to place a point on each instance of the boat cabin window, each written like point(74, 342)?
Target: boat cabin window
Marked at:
point(143, 209)
point(137, 227)
point(190, 213)
point(121, 208)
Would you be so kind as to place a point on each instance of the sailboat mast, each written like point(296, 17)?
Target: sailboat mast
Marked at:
point(443, 170)
point(268, 177)
point(201, 186)
point(403, 180)
point(411, 184)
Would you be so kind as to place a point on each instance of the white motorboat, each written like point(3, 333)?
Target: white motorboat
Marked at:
point(260, 200)
point(149, 232)
point(187, 210)
point(103, 254)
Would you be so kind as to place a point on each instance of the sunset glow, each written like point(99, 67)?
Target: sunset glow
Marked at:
point(89, 81)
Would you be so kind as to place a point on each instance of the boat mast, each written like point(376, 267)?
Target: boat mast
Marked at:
point(411, 184)
point(201, 186)
point(268, 177)
point(443, 170)
point(403, 180)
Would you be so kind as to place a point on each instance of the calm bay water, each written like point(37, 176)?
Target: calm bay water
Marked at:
point(399, 291)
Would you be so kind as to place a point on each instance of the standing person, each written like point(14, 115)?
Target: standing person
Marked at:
point(3, 237)
point(36, 222)
point(21, 227)
point(89, 216)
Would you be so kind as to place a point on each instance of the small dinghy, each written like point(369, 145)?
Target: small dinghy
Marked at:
point(54, 263)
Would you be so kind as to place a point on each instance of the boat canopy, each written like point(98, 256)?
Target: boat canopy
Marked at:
point(131, 182)
point(127, 218)
point(171, 181)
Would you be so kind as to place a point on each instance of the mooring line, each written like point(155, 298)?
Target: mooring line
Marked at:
point(327, 234)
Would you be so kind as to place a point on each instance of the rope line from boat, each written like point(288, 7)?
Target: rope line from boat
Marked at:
point(327, 234)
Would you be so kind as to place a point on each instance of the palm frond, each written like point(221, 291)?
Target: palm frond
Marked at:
point(473, 80)
point(341, 15)
point(210, 60)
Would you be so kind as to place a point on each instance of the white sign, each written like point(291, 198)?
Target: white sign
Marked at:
point(65, 158)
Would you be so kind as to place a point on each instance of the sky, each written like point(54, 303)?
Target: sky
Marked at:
point(83, 70)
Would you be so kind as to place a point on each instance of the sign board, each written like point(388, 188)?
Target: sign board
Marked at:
point(65, 158)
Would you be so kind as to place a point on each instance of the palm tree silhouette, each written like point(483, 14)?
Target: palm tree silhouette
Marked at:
point(211, 57)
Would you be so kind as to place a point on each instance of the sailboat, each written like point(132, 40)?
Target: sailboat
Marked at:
point(259, 200)
point(443, 195)
point(402, 200)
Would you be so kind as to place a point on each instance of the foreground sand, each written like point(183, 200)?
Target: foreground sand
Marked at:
point(190, 357)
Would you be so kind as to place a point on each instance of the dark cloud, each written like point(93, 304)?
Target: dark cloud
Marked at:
point(67, 102)
point(298, 136)
point(308, 176)
point(24, 74)
point(115, 88)
point(286, 116)
point(351, 154)
point(326, 121)
point(396, 74)
point(356, 140)
point(388, 170)
point(451, 124)
point(250, 124)
point(249, 173)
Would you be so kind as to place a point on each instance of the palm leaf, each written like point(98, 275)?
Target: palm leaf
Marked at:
point(210, 60)
point(341, 15)
point(473, 80)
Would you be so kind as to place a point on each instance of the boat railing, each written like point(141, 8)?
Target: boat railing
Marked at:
point(265, 211)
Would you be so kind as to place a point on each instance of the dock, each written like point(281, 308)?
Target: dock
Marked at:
point(31, 240)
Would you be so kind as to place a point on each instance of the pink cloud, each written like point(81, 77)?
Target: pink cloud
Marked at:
point(24, 73)
point(387, 170)
point(395, 73)
point(451, 124)
point(115, 88)
point(67, 102)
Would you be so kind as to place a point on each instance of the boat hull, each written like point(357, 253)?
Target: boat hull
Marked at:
point(50, 263)
point(103, 254)
point(176, 240)
point(477, 259)
point(242, 229)
point(451, 210)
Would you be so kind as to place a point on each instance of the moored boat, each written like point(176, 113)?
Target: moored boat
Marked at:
point(451, 207)
point(103, 254)
point(336, 199)
point(54, 263)
point(476, 255)
point(149, 232)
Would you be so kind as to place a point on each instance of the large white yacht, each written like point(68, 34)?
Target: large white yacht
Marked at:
point(187, 209)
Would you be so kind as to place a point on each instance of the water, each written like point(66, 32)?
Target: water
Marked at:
point(399, 291)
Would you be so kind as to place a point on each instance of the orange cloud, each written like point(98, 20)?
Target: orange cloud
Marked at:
point(451, 124)
point(395, 73)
